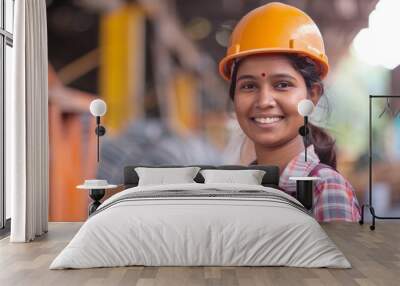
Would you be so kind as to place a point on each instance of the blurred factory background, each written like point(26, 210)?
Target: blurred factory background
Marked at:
point(154, 62)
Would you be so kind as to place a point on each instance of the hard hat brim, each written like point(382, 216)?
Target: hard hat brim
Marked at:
point(226, 63)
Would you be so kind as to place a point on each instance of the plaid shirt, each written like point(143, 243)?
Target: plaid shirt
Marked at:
point(334, 197)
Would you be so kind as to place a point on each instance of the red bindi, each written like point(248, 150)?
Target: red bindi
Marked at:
point(263, 74)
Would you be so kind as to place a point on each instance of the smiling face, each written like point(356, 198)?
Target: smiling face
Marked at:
point(268, 89)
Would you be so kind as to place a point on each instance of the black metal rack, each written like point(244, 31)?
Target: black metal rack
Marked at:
point(369, 205)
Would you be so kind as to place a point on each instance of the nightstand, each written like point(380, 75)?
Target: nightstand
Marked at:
point(304, 190)
point(96, 193)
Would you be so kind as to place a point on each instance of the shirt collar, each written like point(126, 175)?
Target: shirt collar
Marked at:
point(298, 167)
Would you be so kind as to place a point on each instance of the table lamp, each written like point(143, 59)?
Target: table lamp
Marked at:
point(98, 108)
point(304, 185)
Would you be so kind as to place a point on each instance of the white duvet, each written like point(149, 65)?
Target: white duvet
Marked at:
point(185, 231)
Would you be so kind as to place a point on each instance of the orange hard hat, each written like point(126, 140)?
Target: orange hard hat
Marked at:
point(275, 28)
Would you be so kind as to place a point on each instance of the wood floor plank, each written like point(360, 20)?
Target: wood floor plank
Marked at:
point(374, 255)
point(212, 272)
point(131, 276)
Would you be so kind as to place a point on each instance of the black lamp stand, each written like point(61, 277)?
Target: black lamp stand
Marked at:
point(304, 193)
point(100, 131)
point(304, 131)
point(96, 195)
point(304, 188)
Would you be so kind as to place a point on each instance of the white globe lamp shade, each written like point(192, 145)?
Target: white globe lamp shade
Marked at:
point(98, 107)
point(305, 107)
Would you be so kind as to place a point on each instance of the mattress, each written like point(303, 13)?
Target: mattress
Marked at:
point(198, 224)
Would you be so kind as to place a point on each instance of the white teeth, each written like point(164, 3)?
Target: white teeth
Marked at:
point(267, 119)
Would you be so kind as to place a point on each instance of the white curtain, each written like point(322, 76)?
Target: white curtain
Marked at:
point(27, 142)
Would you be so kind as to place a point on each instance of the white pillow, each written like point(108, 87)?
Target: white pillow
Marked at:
point(162, 176)
point(249, 177)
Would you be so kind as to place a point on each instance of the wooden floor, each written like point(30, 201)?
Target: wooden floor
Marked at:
point(374, 255)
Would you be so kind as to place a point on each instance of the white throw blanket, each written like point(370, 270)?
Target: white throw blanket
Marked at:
point(155, 226)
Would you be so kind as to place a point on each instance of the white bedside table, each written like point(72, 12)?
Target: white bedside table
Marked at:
point(96, 193)
point(304, 190)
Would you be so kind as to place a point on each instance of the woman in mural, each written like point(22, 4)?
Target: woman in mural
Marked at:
point(275, 59)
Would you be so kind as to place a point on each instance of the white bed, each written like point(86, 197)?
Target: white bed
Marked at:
point(251, 225)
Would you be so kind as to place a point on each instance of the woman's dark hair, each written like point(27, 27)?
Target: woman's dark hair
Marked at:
point(324, 144)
